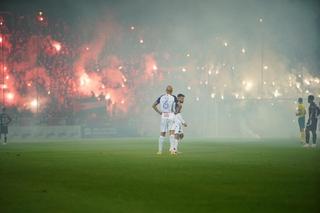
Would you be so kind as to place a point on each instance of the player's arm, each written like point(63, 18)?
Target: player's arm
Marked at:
point(9, 120)
point(310, 117)
point(155, 104)
point(313, 114)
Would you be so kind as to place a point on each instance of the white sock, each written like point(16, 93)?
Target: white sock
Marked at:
point(176, 142)
point(171, 142)
point(161, 139)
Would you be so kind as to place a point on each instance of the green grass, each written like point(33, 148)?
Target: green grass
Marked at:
point(125, 175)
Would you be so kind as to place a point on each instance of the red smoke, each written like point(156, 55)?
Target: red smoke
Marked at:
point(40, 69)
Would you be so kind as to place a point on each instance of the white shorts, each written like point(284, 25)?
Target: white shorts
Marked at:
point(178, 128)
point(167, 122)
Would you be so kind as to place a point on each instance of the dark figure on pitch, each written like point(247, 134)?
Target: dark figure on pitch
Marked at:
point(319, 118)
point(312, 122)
point(5, 120)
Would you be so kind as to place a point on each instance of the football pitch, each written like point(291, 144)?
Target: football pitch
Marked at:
point(125, 175)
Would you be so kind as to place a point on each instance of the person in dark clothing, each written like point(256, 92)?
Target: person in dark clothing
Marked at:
point(312, 122)
point(5, 120)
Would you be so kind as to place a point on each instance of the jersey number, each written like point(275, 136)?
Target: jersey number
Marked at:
point(165, 104)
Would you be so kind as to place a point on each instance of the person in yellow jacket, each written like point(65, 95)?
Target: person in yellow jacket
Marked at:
point(301, 114)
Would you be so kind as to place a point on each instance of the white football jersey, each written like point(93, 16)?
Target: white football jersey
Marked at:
point(167, 103)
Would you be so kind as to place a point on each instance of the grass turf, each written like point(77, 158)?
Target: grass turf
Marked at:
point(125, 175)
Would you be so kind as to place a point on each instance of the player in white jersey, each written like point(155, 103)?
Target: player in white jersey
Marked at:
point(178, 123)
point(167, 103)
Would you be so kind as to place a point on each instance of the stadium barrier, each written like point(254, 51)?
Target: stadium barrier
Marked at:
point(59, 132)
point(98, 132)
point(44, 132)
